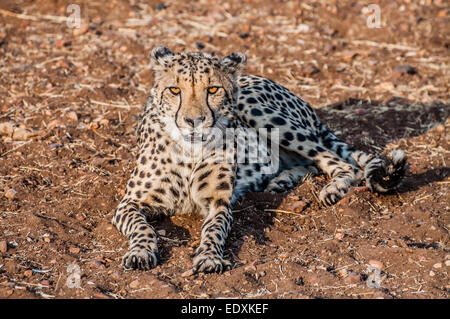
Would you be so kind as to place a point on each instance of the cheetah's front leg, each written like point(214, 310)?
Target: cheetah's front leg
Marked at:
point(212, 190)
point(142, 250)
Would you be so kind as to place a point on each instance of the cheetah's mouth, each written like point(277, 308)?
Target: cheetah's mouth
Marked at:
point(194, 137)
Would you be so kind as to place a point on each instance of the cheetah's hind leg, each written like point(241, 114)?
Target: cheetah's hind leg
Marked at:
point(289, 178)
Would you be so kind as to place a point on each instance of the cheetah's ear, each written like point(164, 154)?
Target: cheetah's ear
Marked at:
point(160, 56)
point(235, 62)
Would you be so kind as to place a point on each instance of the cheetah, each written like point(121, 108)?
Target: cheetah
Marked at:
point(182, 167)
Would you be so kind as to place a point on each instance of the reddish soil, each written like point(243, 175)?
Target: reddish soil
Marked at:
point(69, 100)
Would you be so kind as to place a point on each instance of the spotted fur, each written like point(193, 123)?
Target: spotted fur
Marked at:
point(182, 168)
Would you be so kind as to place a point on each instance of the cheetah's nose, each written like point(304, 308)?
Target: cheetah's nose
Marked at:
point(194, 122)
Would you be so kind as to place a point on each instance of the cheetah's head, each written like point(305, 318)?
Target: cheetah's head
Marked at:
point(195, 92)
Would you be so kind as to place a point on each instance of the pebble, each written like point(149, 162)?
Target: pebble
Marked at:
point(3, 246)
point(437, 265)
point(187, 273)
point(385, 86)
point(28, 273)
point(376, 263)
point(81, 30)
point(343, 273)
point(20, 134)
point(310, 69)
point(104, 122)
point(361, 189)
point(10, 193)
point(447, 263)
point(432, 273)
point(72, 115)
point(339, 236)
point(348, 56)
point(115, 275)
point(74, 250)
point(352, 278)
point(96, 264)
point(134, 284)
point(6, 128)
point(405, 69)
point(53, 124)
point(161, 232)
point(440, 128)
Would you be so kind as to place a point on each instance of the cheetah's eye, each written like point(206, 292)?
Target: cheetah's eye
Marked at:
point(175, 90)
point(213, 89)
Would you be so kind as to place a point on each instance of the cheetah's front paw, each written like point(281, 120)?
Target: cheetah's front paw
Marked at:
point(210, 262)
point(331, 194)
point(140, 258)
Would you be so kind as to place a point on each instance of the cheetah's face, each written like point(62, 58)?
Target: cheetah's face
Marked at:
point(194, 92)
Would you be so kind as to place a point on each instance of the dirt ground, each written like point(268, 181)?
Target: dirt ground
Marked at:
point(69, 100)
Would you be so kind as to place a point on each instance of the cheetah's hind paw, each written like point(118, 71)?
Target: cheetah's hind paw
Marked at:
point(386, 173)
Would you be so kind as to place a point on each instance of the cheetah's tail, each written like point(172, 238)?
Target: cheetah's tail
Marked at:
point(382, 173)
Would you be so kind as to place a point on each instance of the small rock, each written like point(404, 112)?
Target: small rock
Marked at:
point(376, 263)
point(28, 273)
point(187, 273)
point(283, 256)
point(339, 236)
point(134, 284)
point(361, 189)
point(437, 265)
point(63, 64)
point(161, 232)
point(310, 69)
point(297, 206)
point(6, 128)
point(251, 267)
point(3, 246)
point(96, 264)
point(352, 278)
point(20, 134)
point(360, 111)
point(442, 13)
point(200, 45)
point(299, 281)
point(72, 116)
point(84, 27)
point(440, 128)
point(53, 124)
point(385, 86)
point(348, 56)
point(447, 263)
point(405, 69)
point(10, 193)
point(161, 6)
point(432, 273)
point(100, 295)
point(93, 126)
point(74, 250)
point(115, 275)
point(343, 273)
